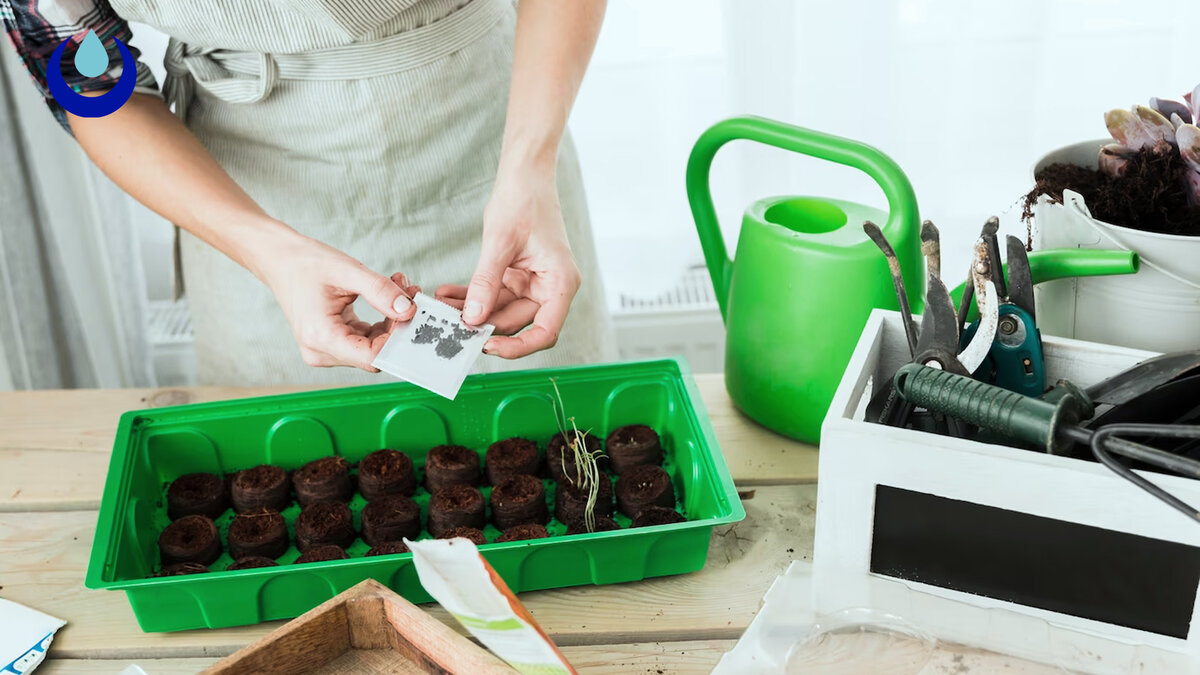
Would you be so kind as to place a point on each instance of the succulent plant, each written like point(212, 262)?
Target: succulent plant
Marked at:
point(1163, 126)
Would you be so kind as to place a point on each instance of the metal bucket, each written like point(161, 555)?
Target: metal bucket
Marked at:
point(1157, 309)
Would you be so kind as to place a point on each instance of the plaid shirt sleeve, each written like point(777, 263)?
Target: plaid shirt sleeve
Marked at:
point(37, 27)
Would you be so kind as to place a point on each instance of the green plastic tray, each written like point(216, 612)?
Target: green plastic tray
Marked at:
point(153, 447)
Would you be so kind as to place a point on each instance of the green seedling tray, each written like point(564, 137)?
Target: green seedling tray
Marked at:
point(153, 447)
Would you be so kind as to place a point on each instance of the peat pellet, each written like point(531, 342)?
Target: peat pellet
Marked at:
point(322, 553)
point(324, 523)
point(473, 534)
point(263, 534)
point(570, 502)
point(560, 458)
point(197, 494)
point(632, 446)
point(657, 515)
point(386, 472)
point(388, 548)
point(511, 457)
point(259, 488)
point(602, 524)
point(323, 480)
point(519, 500)
point(390, 518)
point(251, 562)
point(646, 485)
point(179, 569)
point(524, 533)
point(190, 539)
point(456, 506)
point(447, 465)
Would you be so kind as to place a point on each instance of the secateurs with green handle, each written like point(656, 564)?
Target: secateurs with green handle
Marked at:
point(1015, 361)
point(1054, 424)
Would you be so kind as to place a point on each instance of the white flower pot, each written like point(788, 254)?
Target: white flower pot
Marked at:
point(1157, 309)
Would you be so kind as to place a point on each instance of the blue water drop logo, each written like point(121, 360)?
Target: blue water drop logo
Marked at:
point(91, 59)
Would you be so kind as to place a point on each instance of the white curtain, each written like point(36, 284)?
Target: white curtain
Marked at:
point(964, 95)
point(79, 313)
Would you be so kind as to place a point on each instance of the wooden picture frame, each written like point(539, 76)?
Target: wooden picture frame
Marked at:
point(366, 629)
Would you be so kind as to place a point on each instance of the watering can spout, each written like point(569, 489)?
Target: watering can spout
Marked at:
point(804, 270)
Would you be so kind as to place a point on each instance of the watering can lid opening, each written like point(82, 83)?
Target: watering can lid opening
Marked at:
point(832, 222)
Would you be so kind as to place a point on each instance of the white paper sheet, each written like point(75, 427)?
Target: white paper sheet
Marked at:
point(25, 635)
point(435, 350)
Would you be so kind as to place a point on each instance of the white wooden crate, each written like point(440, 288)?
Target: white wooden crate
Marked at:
point(860, 461)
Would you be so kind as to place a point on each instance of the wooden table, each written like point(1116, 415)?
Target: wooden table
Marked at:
point(54, 452)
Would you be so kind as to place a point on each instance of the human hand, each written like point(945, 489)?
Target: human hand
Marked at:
point(526, 273)
point(316, 286)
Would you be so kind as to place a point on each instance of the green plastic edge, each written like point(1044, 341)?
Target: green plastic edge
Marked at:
point(103, 544)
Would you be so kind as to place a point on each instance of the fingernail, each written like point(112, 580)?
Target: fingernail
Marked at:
point(472, 310)
point(402, 304)
point(487, 347)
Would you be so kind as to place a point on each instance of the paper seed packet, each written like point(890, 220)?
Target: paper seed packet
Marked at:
point(454, 573)
point(435, 350)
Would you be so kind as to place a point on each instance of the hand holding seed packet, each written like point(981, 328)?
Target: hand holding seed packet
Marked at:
point(435, 350)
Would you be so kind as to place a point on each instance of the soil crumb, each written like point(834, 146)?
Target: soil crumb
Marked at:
point(1150, 195)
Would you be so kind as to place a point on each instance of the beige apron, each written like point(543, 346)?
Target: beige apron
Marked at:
point(374, 127)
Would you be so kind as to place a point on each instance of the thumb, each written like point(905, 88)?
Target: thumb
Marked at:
point(383, 294)
point(487, 281)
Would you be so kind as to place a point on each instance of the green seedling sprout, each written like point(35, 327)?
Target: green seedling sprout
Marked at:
point(587, 472)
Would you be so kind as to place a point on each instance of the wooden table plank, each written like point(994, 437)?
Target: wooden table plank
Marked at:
point(67, 437)
point(678, 658)
point(43, 556)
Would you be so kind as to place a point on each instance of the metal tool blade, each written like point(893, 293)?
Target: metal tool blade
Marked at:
point(931, 248)
point(983, 274)
point(881, 241)
point(993, 249)
point(939, 324)
point(1020, 279)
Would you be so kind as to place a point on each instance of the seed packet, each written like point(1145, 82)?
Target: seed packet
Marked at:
point(435, 350)
point(25, 635)
point(454, 573)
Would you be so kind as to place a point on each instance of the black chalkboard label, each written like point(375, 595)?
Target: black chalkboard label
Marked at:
point(1089, 572)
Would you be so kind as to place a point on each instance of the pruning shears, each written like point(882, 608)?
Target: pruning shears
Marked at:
point(1014, 361)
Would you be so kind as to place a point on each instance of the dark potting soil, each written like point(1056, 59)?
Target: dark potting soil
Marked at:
point(511, 457)
point(519, 500)
point(323, 480)
point(322, 553)
point(386, 472)
point(657, 515)
point(262, 487)
point(179, 569)
point(474, 534)
point(524, 533)
point(1150, 195)
point(632, 446)
point(390, 518)
point(262, 534)
point(560, 459)
point(201, 494)
point(388, 548)
point(252, 562)
point(324, 523)
point(456, 506)
point(643, 486)
point(603, 524)
point(190, 539)
point(570, 502)
point(447, 465)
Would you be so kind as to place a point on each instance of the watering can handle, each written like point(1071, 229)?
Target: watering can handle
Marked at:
point(902, 203)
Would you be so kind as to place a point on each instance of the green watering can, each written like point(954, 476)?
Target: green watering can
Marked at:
point(805, 278)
